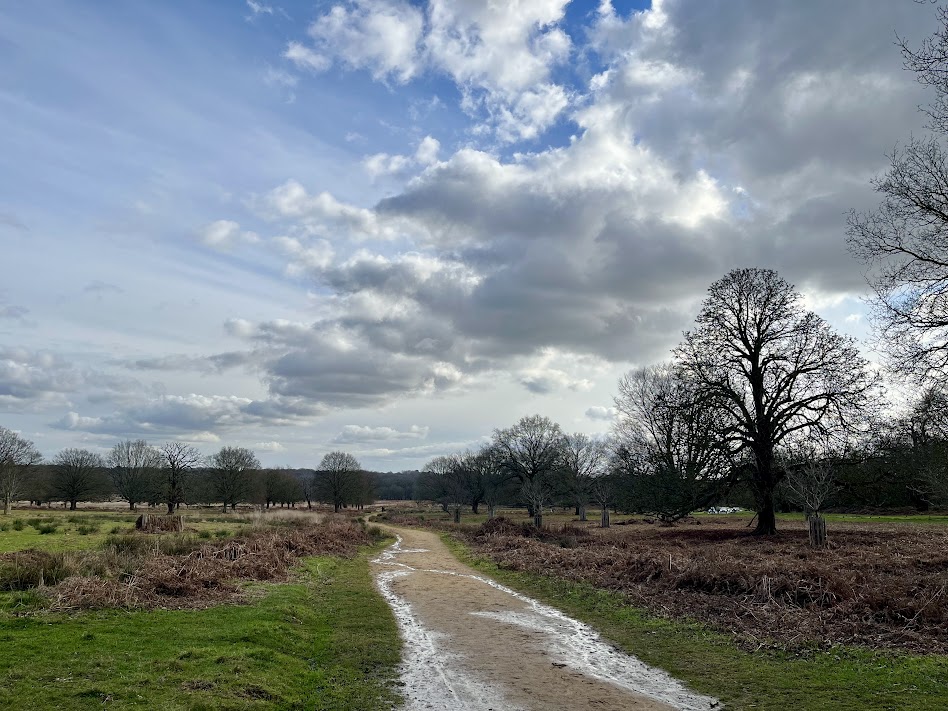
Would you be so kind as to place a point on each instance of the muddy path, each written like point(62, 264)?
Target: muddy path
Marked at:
point(471, 643)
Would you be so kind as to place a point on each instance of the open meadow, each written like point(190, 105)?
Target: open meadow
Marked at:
point(237, 611)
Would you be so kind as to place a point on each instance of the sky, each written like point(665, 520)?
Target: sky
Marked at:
point(390, 227)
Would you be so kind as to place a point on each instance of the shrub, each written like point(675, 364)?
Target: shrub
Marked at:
point(18, 524)
point(46, 528)
point(204, 534)
point(85, 530)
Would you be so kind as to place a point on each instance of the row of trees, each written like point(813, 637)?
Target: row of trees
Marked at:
point(172, 474)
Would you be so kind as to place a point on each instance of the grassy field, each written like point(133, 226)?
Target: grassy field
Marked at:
point(324, 640)
point(785, 520)
point(60, 530)
point(840, 678)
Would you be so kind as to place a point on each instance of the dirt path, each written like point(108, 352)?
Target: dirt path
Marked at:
point(471, 643)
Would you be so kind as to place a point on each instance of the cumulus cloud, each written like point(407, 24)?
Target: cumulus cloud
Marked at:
point(500, 55)
point(691, 157)
point(379, 36)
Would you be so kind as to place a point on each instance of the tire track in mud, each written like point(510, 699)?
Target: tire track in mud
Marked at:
point(474, 644)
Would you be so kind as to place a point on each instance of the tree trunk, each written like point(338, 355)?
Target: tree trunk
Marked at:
point(6, 506)
point(604, 523)
point(766, 514)
point(582, 512)
point(538, 518)
point(474, 507)
point(336, 507)
point(72, 505)
point(490, 511)
point(171, 508)
point(817, 530)
point(457, 514)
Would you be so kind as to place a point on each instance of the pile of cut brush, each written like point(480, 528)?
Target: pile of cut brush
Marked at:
point(879, 585)
point(209, 573)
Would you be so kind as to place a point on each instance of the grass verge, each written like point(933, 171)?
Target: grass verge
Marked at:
point(325, 641)
point(841, 678)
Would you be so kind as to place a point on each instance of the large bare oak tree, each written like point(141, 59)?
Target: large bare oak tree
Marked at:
point(772, 372)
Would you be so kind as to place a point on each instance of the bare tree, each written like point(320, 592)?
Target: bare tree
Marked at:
point(771, 372)
point(603, 489)
point(924, 432)
point(77, 474)
point(583, 458)
point(177, 460)
point(669, 443)
point(531, 452)
point(492, 477)
point(811, 484)
point(231, 469)
point(905, 240)
point(16, 455)
point(132, 469)
point(337, 479)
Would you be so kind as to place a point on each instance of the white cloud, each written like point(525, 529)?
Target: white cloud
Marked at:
point(225, 234)
point(381, 164)
point(500, 55)
point(269, 447)
point(379, 36)
point(305, 58)
point(323, 214)
point(427, 152)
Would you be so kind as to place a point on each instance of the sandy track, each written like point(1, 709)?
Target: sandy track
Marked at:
point(471, 643)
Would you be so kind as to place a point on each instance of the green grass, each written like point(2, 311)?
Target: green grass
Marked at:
point(57, 530)
point(843, 679)
point(327, 641)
